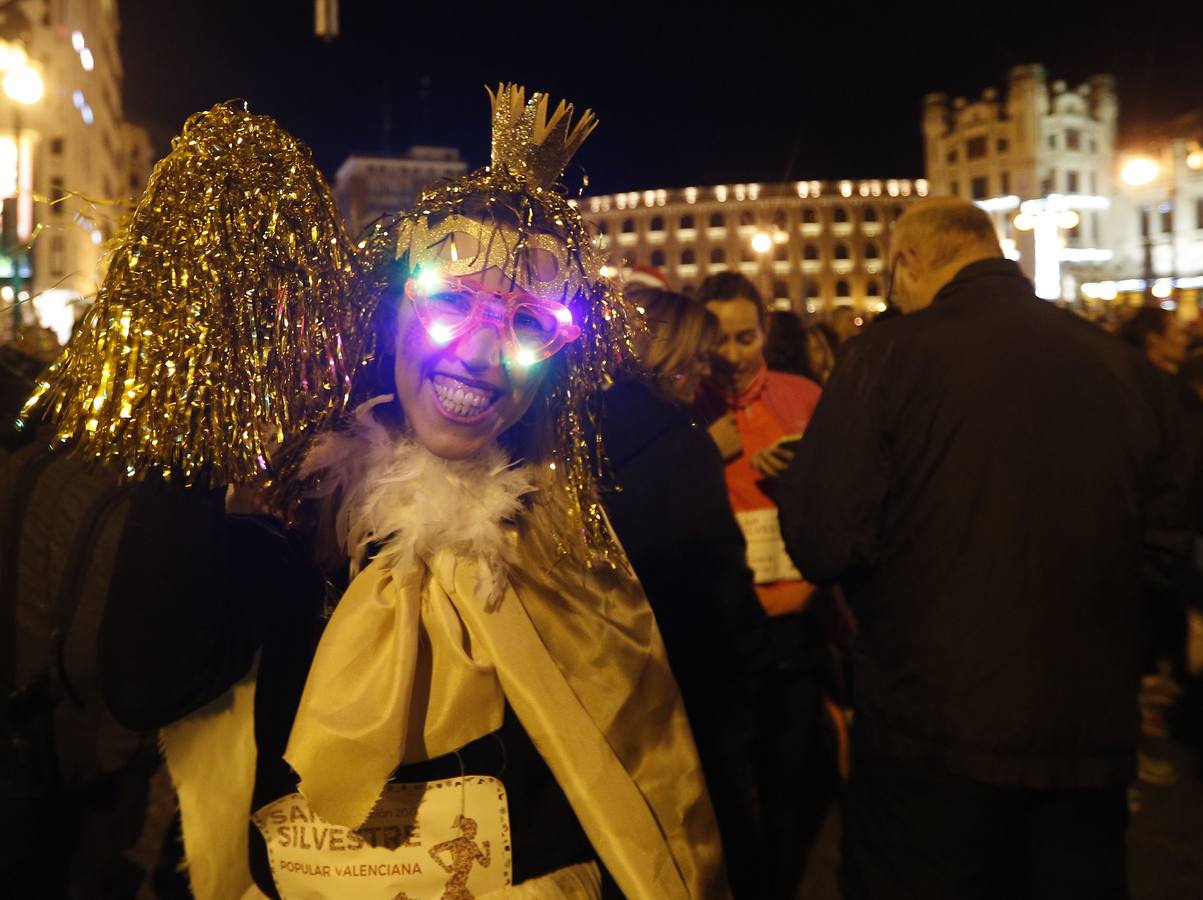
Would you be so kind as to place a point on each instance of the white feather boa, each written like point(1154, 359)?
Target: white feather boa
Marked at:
point(397, 494)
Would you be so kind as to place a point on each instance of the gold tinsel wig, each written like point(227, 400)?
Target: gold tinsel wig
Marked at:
point(515, 215)
point(228, 325)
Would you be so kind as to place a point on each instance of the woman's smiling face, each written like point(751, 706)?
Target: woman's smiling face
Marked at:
point(460, 396)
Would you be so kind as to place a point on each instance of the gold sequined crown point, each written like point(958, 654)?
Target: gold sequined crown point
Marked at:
point(529, 143)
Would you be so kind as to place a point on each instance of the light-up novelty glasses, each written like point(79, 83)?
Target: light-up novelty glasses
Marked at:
point(532, 330)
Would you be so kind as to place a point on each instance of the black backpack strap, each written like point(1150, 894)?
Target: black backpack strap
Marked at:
point(70, 588)
point(25, 480)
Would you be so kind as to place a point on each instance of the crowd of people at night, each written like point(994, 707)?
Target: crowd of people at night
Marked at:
point(650, 607)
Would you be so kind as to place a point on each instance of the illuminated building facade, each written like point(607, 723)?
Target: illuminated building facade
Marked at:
point(1041, 160)
point(1158, 222)
point(367, 187)
point(809, 245)
point(1088, 221)
point(68, 142)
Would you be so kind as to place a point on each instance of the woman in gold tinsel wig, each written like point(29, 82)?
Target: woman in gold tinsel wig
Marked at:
point(479, 705)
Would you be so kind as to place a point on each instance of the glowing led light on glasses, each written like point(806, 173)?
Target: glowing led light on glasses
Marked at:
point(429, 279)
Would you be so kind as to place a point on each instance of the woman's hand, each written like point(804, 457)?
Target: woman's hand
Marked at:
point(771, 461)
point(725, 433)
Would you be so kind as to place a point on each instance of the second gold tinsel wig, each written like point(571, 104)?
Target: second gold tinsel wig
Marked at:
point(514, 214)
point(231, 318)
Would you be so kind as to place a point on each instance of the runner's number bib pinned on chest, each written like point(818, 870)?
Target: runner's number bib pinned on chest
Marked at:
point(436, 840)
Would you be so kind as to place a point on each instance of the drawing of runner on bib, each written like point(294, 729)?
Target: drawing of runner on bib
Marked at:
point(464, 854)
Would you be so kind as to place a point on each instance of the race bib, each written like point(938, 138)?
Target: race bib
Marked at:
point(766, 549)
point(436, 840)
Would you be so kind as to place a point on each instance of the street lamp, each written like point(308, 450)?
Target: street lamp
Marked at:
point(24, 85)
point(1141, 171)
point(761, 242)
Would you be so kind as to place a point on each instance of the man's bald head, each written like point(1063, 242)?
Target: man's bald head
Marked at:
point(932, 241)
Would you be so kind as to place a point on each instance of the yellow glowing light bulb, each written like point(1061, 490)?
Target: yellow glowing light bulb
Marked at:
point(1024, 222)
point(1068, 219)
point(762, 243)
point(24, 85)
point(1139, 171)
point(525, 358)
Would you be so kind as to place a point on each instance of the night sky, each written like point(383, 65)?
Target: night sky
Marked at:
point(742, 94)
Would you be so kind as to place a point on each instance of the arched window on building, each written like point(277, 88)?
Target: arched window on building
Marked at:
point(873, 289)
point(840, 214)
point(628, 226)
point(748, 255)
point(718, 255)
point(810, 216)
point(716, 220)
point(779, 219)
point(812, 290)
point(842, 289)
point(689, 257)
point(686, 222)
point(781, 252)
point(603, 227)
point(810, 251)
point(841, 251)
point(659, 260)
point(657, 224)
point(631, 260)
point(747, 218)
point(872, 251)
point(869, 214)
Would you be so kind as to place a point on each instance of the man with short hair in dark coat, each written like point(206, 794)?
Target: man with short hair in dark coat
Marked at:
point(994, 482)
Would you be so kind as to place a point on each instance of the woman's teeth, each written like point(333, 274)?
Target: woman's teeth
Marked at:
point(458, 398)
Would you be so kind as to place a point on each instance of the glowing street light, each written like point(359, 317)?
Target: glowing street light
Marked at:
point(1068, 219)
point(761, 242)
point(24, 85)
point(1024, 222)
point(1139, 171)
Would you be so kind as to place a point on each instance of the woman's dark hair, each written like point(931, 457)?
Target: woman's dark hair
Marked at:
point(785, 345)
point(730, 286)
point(1147, 320)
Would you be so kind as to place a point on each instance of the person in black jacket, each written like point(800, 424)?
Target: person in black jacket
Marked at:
point(988, 477)
point(671, 513)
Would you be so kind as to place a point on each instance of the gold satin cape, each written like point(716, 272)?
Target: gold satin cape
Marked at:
point(410, 668)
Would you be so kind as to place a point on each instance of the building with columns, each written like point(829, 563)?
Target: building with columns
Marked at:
point(809, 245)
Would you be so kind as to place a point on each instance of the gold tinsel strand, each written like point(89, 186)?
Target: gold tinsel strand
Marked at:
point(231, 319)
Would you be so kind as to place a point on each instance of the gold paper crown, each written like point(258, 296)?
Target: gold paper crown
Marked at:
point(527, 142)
